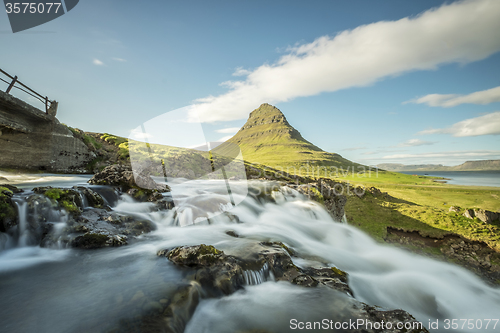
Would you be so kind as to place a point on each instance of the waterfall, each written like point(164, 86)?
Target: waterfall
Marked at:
point(257, 277)
point(24, 233)
point(110, 284)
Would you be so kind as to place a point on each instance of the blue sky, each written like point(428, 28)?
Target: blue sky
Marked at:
point(358, 78)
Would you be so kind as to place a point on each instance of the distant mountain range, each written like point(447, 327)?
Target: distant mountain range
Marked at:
point(485, 165)
point(267, 138)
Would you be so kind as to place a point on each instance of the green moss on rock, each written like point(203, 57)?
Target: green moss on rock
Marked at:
point(7, 210)
point(90, 241)
point(67, 199)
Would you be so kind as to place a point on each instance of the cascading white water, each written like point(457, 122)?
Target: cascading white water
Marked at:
point(24, 234)
point(253, 278)
point(378, 274)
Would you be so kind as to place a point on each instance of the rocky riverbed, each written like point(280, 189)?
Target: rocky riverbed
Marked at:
point(277, 256)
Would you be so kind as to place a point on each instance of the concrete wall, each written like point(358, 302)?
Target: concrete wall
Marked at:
point(33, 140)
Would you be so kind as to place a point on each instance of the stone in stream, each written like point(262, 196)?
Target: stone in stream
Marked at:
point(8, 212)
point(70, 216)
point(218, 274)
point(122, 176)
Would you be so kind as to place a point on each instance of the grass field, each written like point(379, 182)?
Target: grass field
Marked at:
point(423, 191)
point(416, 203)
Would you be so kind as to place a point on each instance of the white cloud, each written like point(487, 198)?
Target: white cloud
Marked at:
point(119, 59)
point(137, 135)
point(479, 154)
point(485, 125)
point(479, 97)
point(97, 62)
point(231, 130)
point(416, 142)
point(460, 32)
point(240, 71)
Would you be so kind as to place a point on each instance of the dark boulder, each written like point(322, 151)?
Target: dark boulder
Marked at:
point(125, 178)
point(8, 211)
point(96, 241)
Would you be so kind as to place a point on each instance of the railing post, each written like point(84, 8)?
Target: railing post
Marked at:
point(46, 105)
point(11, 84)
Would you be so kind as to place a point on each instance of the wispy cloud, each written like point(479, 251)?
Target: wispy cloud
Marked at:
point(119, 59)
point(137, 135)
point(459, 32)
point(240, 71)
point(488, 124)
point(231, 130)
point(478, 154)
point(479, 97)
point(415, 143)
point(97, 62)
point(354, 148)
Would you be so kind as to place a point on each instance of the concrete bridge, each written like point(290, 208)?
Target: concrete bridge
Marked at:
point(31, 139)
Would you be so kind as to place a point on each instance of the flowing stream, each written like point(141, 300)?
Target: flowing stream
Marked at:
point(57, 289)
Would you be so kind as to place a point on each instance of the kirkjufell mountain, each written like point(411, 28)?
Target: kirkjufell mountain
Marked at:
point(268, 138)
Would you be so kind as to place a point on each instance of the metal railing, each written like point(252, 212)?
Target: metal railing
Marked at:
point(15, 83)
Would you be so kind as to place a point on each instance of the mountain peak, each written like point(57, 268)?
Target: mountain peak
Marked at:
point(265, 114)
point(267, 138)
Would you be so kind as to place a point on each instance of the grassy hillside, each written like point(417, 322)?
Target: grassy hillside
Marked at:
point(423, 190)
point(405, 211)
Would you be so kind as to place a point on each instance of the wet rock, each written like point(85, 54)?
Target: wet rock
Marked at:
point(217, 272)
point(68, 199)
point(114, 175)
point(331, 277)
point(211, 270)
point(125, 178)
point(12, 188)
point(165, 203)
point(377, 315)
point(8, 212)
point(90, 241)
point(96, 241)
point(101, 228)
point(232, 233)
point(94, 199)
point(220, 271)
